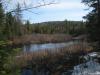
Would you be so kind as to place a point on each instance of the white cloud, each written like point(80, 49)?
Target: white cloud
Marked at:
point(65, 5)
point(70, 9)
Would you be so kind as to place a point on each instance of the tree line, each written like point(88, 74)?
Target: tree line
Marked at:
point(58, 27)
point(10, 23)
point(10, 27)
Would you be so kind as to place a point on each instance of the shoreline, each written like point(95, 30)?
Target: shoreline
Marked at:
point(44, 38)
point(40, 39)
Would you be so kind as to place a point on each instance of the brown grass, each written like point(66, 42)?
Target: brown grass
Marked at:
point(51, 55)
point(41, 38)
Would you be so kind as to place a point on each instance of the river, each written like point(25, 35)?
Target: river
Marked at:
point(35, 47)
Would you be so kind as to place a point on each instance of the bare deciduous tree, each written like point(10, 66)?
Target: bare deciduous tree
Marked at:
point(25, 6)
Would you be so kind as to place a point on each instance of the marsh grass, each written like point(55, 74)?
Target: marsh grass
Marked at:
point(50, 55)
point(41, 38)
point(53, 61)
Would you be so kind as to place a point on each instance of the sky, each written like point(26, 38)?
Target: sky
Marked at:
point(60, 11)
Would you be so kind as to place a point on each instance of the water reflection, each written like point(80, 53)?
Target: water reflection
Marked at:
point(34, 47)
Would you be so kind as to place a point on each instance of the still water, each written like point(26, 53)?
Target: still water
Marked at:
point(34, 47)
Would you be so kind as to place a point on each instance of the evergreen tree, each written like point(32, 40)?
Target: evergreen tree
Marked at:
point(28, 26)
point(9, 29)
point(17, 20)
point(2, 16)
point(93, 19)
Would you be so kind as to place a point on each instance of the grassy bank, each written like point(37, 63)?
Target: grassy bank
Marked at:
point(41, 38)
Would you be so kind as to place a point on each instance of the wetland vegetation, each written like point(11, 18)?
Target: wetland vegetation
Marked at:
point(49, 48)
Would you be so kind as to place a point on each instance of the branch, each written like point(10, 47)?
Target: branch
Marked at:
point(33, 12)
point(25, 9)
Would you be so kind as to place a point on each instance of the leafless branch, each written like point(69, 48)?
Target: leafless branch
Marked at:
point(27, 8)
point(33, 12)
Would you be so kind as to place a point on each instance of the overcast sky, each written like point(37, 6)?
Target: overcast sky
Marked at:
point(64, 9)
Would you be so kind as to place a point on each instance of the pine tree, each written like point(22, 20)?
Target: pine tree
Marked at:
point(9, 29)
point(93, 19)
point(2, 16)
point(28, 26)
point(17, 20)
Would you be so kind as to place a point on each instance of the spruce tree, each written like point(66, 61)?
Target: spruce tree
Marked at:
point(2, 16)
point(93, 19)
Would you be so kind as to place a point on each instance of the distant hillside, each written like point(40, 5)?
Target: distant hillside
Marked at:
point(58, 22)
point(53, 27)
